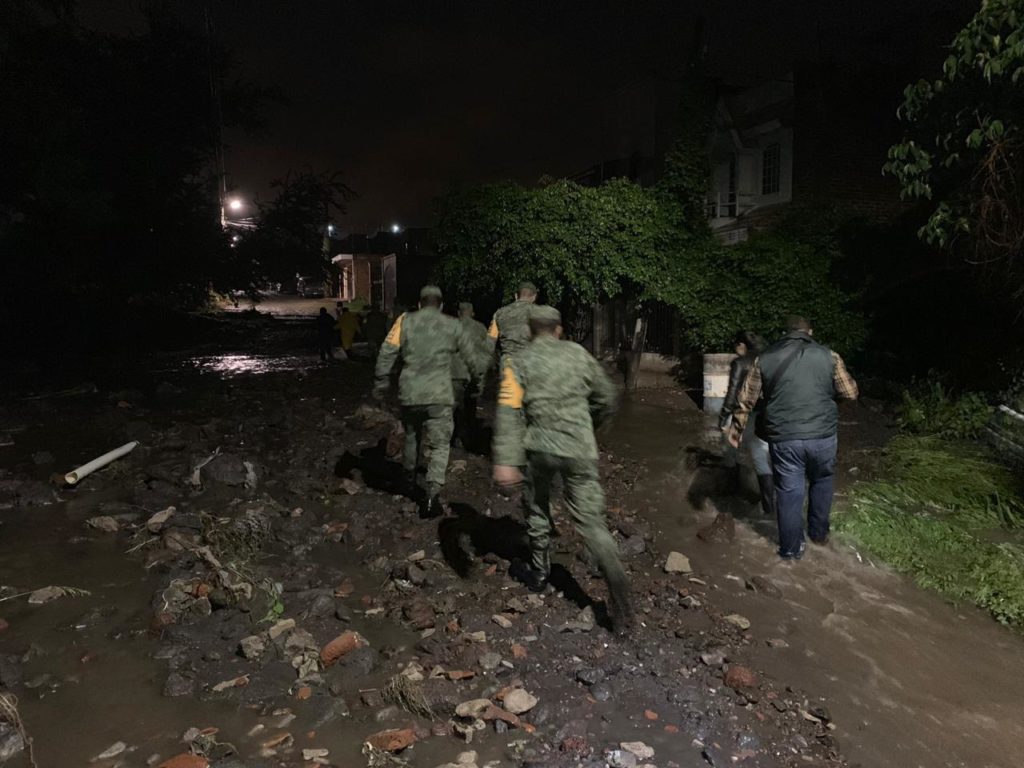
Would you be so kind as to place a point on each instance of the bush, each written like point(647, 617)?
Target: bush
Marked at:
point(930, 409)
point(932, 515)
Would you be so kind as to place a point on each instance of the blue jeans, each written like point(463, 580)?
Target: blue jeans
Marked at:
point(793, 462)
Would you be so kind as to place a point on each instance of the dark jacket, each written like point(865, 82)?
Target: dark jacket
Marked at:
point(798, 395)
point(738, 370)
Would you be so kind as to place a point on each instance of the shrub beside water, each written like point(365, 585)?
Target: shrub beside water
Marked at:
point(947, 512)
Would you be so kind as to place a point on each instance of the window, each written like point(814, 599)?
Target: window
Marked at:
point(771, 169)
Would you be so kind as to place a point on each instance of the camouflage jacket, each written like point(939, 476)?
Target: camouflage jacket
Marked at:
point(510, 328)
point(552, 397)
point(426, 342)
point(477, 333)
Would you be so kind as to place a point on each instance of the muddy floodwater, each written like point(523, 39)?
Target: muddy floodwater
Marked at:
point(836, 661)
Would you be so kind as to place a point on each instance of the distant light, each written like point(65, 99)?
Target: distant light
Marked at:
point(330, 229)
point(395, 229)
point(236, 238)
point(235, 204)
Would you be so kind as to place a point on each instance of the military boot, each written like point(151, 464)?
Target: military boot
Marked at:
point(432, 506)
point(534, 575)
point(620, 607)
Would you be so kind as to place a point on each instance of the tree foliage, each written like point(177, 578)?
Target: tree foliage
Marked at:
point(586, 244)
point(964, 148)
point(289, 235)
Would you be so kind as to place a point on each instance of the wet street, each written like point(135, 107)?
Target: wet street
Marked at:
point(296, 518)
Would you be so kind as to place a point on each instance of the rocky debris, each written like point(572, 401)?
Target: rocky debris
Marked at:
point(252, 647)
point(764, 586)
point(585, 621)
point(502, 621)
point(738, 677)
point(677, 562)
point(392, 739)
point(280, 628)
point(519, 701)
point(186, 760)
point(113, 750)
point(742, 622)
point(179, 685)
point(638, 749)
point(159, 519)
point(227, 468)
point(340, 646)
point(103, 523)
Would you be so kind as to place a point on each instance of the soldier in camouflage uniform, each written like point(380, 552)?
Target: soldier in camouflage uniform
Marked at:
point(510, 328)
point(426, 342)
point(465, 387)
point(552, 395)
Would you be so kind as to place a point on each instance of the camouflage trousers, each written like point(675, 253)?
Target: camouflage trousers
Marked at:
point(584, 500)
point(428, 436)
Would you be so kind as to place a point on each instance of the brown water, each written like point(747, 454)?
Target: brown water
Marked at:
point(911, 681)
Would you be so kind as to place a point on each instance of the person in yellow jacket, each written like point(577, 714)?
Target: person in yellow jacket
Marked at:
point(348, 327)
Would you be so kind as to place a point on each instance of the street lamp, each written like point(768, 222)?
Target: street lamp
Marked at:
point(330, 229)
point(395, 229)
point(235, 204)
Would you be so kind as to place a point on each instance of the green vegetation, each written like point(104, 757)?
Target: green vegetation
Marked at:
point(586, 244)
point(962, 152)
point(928, 409)
point(951, 515)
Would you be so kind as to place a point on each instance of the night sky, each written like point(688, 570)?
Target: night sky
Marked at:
point(407, 98)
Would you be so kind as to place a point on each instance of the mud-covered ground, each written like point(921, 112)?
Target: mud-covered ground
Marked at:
point(260, 593)
point(285, 604)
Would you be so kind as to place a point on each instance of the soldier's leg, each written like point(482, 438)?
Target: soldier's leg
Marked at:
point(459, 393)
point(537, 508)
point(411, 423)
point(437, 440)
point(584, 499)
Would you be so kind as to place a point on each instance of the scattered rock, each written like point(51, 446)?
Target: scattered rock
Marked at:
point(473, 709)
point(113, 750)
point(764, 586)
point(502, 621)
point(285, 625)
point(620, 758)
point(157, 521)
point(343, 644)
point(103, 523)
point(252, 647)
point(179, 685)
point(584, 622)
point(713, 658)
point(640, 750)
point(677, 562)
point(392, 740)
point(518, 701)
point(739, 677)
point(186, 761)
point(737, 621)
point(313, 754)
point(776, 642)
point(590, 675)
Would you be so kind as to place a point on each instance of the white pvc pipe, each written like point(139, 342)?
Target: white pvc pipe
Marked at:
point(99, 463)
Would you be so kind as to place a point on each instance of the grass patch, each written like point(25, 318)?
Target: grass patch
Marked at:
point(949, 514)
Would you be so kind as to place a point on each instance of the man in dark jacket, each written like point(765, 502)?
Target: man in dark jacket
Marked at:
point(798, 382)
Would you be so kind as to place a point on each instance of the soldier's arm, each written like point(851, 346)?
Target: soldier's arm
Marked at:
point(475, 358)
point(387, 358)
point(509, 425)
point(604, 397)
